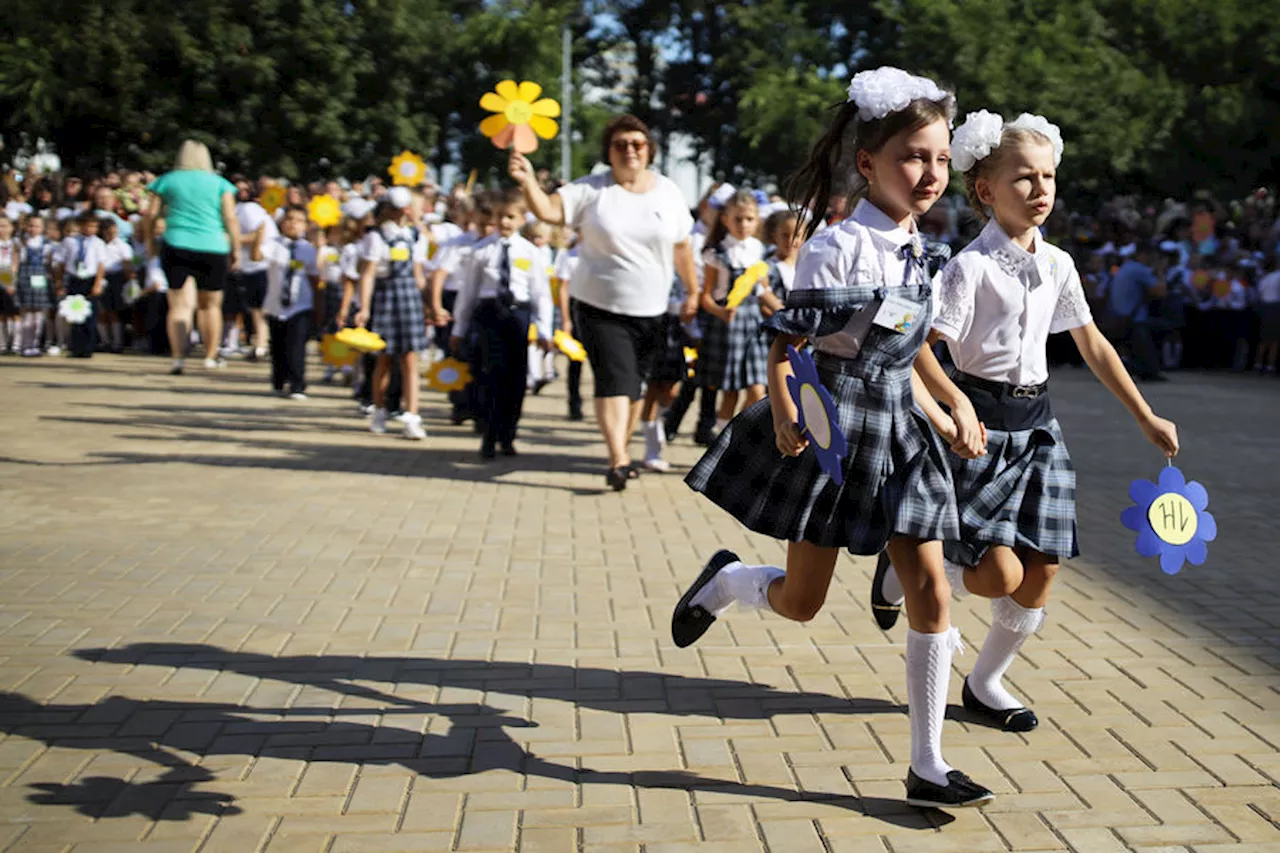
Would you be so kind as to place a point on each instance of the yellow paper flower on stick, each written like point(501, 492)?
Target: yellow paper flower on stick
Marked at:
point(272, 198)
point(407, 169)
point(448, 374)
point(334, 353)
point(570, 346)
point(361, 340)
point(747, 283)
point(324, 211)
point(521, 116)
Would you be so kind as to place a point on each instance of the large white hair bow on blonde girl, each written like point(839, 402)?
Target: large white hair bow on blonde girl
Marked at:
point(983, 131)
point(886, 90)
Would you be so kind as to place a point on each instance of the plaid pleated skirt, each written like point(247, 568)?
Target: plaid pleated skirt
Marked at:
point(33, 298)
point(734, 356)
point(897, 480)
point(669, 364)
point(1022, 493)
point(395, 313)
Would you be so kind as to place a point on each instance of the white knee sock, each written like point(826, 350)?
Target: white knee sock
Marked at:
point(747, 585)
point(928, 674)
point(1011, 624)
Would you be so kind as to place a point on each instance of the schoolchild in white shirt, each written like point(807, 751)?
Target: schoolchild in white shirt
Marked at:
point(119, 272)
point(84, 258)
point(292, 276)
point(257, 229)
point(997, 304)
point(505, 289)
point(542, 363)
point(448, 270)
point(562, 275)
point(34, 286)
point(782, 230)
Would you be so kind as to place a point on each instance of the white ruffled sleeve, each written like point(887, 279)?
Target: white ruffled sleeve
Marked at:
point(1072, 309)
point(824, 262)
point(953, 301)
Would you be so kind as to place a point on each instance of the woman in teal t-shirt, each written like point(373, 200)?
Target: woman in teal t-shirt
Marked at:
point(199, 208)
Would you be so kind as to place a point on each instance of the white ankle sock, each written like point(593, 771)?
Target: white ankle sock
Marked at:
point(892, 587)
point(955, 575)
point(1011, 624)
point(652, 440)
point(747, 585)
point(928, 674)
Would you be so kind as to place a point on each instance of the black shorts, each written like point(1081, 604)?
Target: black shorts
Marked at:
point(621, 348)
point(252, 288)
point(209, 269)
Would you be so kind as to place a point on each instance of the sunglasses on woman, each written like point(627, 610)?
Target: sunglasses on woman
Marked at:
point(624, 145)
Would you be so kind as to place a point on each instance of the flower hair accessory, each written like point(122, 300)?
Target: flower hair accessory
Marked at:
point(886, 90)
point(976, 139)
point(1044, 127)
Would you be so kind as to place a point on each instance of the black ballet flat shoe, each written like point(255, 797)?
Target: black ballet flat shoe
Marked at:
point(487, 450)
point(1012, 720)
point(616, 479)
point(960, 792)
point(691, 621)
point(886, 612)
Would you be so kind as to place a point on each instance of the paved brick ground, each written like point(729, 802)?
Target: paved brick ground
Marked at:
point(231, 623)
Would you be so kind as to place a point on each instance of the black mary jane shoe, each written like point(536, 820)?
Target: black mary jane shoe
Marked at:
point(885, 611)
point(959, 792)
point(690, 621)
point(1012, 720)
point(616, 479)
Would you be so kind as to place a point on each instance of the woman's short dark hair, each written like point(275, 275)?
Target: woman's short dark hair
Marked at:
point(624, 124)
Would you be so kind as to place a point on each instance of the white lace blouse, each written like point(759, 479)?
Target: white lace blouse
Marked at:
point(998, 304)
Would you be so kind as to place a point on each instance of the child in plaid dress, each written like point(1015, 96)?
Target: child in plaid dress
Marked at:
point(393, 256)
point(782, 229)
point(998, 302)
point(889, 147)
point(734, 355)
point(10, 259)
point(33, 287)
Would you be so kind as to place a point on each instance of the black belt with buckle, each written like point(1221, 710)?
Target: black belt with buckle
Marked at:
point(1006, 407)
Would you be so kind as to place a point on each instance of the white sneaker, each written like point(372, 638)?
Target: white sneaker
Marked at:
point(378, 423)
point(413, 427)
point(297, 395)
point(54, 350)
point(366, 410)
point(657, 464)
point(214, 364)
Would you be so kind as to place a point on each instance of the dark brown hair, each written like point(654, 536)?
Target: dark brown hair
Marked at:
point(775, 221)
point(625, 124)
point(512, 197)
point(832, 168)
point(742, 198)
point(1011, 138)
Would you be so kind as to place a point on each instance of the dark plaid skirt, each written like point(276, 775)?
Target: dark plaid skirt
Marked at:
point(669, 364)
point(734, 356)
point(897, 479)
point(396, 314)
point(30, 298)
point(1023, 492)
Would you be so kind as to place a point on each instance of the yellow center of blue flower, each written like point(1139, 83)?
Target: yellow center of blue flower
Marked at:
point(1173, 518)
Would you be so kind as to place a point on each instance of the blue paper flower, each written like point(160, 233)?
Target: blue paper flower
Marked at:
point(817, 410)
point(1170, 519)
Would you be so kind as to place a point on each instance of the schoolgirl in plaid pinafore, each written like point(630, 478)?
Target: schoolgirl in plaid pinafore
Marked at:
point(735, 355)
point(896, 476)
point(395, 312)
point(1023, 492)
point(31, 297)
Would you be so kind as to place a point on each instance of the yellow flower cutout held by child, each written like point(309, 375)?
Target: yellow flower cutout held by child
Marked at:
point(407, 169)
point(521, 116)
point(448, 374)
point(324, 211)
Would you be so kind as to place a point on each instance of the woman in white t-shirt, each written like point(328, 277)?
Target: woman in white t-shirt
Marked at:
point(633, 226)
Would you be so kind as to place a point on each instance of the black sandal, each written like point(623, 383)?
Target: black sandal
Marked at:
point(616, 479)
point(633, 471)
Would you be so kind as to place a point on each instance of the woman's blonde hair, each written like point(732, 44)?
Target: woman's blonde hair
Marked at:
point(1011, 139)
point(193, 156)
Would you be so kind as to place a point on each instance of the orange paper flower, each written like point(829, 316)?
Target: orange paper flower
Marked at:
point(448, 374)
point(272, 198)
point(324, 211)
point(521, 117)
point(407, 169)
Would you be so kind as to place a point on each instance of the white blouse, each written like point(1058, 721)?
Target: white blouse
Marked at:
point(863, 250)
point(741, 254)
point(998, 304)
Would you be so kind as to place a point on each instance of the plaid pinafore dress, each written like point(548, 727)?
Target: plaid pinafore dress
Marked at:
point(734, 356)
point(897, 480)
point(395, 311)
point(33, 278)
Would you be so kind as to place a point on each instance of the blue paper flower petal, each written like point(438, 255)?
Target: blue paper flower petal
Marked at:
point(1143, 492)
point(1196, 493)
point(1134, 518)
point(1171, 559)
point(1208, 529)
point(1196, 551)
point(1172, 480)
point(1148, 544)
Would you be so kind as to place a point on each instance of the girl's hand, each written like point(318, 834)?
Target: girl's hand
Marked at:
point(1162, 433)
point(690, 309)
point(566, 326)
point(235, 261)
point(441, 317)
point(970, 440)
point(726, 314)
point(787, 435)
point(362, 318)
point(520, 169)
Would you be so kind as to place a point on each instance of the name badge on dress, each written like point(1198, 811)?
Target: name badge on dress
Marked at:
point(399, 253)
point(897, 313)
point(38, 282)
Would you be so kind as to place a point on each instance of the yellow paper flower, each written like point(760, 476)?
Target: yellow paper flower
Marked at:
point(272, 198)
point(334, 353)
point(324, 211)
point(521, 117)
point(569, 345)
point(407, 169)
point(448, 374)
point(361, 340)
point(747, 283)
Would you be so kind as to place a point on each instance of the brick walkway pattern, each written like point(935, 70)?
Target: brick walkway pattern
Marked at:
point(235, 623)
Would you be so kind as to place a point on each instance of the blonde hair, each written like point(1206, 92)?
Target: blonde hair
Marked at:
point(1011, 139)
point(531, 230)
point(194, 156)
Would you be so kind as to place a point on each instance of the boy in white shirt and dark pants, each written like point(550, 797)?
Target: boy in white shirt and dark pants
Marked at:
point(505, 288)
point(291, 278)
point(84, 258)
